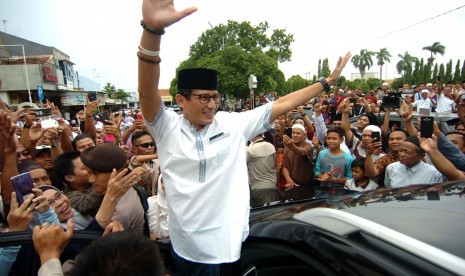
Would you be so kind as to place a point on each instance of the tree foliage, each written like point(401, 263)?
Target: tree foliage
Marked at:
point(434, 49)
point(248, 37)
point(234, 66)
point(457, 71)
point(382, 56)
point(296, 82)
point(405, 62)
point(238, 50)
point(363, 61)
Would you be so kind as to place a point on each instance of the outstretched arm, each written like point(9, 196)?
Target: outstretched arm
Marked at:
point(442, 164)
point(157, 15)
point(300, 97)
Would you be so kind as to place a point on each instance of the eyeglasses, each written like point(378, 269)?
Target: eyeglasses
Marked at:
point(23, 153)
point(205, 98)
point(58, 196)
point(146, 145)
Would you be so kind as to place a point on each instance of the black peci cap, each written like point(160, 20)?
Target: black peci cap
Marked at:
point(198, 78)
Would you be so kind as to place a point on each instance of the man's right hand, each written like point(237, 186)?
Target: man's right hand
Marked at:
point(159, 14)
point(91, 107)
point(372, 148)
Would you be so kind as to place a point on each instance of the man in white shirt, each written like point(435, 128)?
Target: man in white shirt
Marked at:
point(202, 152)
point(424, 102)
point(445, 103)
point(410, 169)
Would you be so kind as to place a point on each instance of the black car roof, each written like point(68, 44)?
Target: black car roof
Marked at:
point(434, 214)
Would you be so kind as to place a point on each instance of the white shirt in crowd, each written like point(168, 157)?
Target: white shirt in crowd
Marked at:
point(444, 104)
point(422, 104)
point(398, 175)
point(350, 185)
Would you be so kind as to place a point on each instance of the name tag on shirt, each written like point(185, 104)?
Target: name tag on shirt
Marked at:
point(218, 137)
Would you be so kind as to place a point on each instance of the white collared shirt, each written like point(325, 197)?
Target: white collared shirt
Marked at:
point(206, 181)
point(398, 175)
point(422, 103)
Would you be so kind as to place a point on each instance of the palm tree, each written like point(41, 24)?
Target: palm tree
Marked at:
point(437, 47)
point(383, 55)
point(363, 61)
point(405, 62)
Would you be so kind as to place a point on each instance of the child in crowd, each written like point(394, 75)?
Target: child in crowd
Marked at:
point(333, 165)
point(359, 182)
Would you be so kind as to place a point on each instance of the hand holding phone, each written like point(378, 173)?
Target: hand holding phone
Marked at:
point(288, 131)
point(376, 136)
point(92, 96)
point(426, 125)
point(105, 117)
point(23, 185)
point(48, 123)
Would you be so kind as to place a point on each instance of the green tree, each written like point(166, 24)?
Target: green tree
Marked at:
point(363, 61)
point(373, 82)
point(442, 72)
point(405, 62)
point(416, 74)
point(397, 82)
point(382, 56)
point(121, 95)
point(340, 81)
point(435, 71)
point(296, 82)
point(110, 90)
point(448, 75)
point(325, 71)
point(427, 72)
point(421, 72)
point(457, 71)
point(319, 68)
point(234, 67)
point(248, 37)
point(434, 49)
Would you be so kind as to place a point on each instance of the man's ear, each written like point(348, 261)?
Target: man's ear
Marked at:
point(180, 100)
point(70, 178)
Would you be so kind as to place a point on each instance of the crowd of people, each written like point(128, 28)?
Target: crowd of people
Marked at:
point(141, 176)
point(327, 155)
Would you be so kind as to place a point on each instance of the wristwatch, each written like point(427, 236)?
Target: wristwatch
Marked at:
point(323, 81)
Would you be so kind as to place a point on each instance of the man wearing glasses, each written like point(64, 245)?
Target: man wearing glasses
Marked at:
point(145, 158)
point(203, 152)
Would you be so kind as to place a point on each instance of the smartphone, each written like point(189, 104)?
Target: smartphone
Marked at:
point(140, 117)
point(391, 102)
point(48, 123)
point(427, 124)
point(105, 117)
point(353, 100)
point(22, 183)
point(42, 112)
point(376, 136)
point(288, 131)
point(425, 112)
point(92, 96)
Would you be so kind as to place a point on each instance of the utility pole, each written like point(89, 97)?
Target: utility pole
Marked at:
point(4, 24)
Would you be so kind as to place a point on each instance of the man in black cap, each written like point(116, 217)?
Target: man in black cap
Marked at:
point(101, 161)
point(202, 152)
point(410, 169)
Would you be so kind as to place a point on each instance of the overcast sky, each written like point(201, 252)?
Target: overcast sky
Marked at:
point(101, 37)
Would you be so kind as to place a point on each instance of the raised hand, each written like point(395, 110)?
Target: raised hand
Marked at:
point(429, 144)
point(120, 183)
point(35, 133)
point(336, 73)
point(41, 201)
point(51, 239)
point(159, 14)
point(20, 216)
